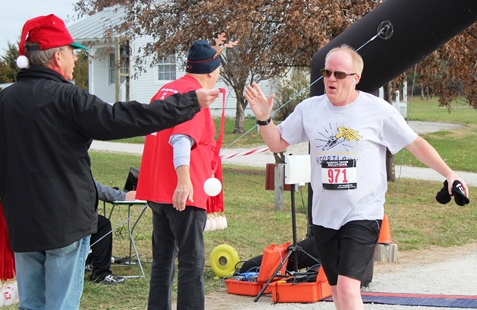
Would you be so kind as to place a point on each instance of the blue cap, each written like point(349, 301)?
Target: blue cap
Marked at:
point(202, 58)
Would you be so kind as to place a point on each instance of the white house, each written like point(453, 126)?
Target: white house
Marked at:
point(130, 84)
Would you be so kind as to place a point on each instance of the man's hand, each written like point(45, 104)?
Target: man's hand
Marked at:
point(260, 105)
point(130, 196)
point(184, 189)
point(206, 96)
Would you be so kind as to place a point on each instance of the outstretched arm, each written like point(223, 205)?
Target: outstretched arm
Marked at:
point(262, 109)
point(206, 96)
point(426, 154)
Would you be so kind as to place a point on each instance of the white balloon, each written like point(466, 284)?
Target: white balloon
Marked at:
point(218, 222)
point(14, 287)
point(213, 224)
point(224, 222)
point(212, 187)
point(9, 296)
point(207, 225)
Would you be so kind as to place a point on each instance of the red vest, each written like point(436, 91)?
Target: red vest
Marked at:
point(157, 176)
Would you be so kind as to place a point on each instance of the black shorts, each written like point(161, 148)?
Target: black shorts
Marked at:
point(347, 251)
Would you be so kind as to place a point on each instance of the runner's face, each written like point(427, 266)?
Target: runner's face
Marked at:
point(339, 90)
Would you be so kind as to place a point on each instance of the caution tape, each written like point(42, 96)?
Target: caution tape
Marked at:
point(245, 153)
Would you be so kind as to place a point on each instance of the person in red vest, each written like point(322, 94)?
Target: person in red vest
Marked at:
point(175, 164)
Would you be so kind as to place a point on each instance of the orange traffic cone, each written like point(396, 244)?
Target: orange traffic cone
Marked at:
point(385, 233)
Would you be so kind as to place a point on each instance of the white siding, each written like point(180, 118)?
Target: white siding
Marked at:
point(143, 85)
point(99, 76)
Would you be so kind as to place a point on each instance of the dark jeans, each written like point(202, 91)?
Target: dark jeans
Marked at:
point(177, 235)
point(101, 249)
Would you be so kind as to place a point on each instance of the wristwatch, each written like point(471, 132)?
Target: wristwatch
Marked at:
point(264, 123)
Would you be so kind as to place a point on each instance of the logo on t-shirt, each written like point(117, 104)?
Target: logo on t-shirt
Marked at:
point(341, 135)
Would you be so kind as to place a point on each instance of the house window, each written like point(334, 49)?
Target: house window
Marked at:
point(124, 69)
point(167, 68)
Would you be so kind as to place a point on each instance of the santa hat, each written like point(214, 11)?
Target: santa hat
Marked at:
point(46, 31)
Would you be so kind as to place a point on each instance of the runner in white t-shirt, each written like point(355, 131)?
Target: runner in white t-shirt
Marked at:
point(349, 132)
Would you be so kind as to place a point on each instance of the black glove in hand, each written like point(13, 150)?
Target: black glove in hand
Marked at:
point(457, 191)
point(443, 195)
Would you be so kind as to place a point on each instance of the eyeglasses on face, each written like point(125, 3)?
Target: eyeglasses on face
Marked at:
point(340, 75)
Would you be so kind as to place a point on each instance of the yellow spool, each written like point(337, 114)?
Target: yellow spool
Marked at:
point(223, 260)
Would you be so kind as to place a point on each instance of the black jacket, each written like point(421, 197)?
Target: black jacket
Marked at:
point(46, 127)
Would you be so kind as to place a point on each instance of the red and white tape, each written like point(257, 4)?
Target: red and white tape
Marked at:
point(245, 153)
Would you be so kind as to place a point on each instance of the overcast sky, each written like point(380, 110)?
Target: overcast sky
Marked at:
point(14, 13)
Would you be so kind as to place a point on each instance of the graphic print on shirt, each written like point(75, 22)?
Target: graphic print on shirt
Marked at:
point(338, 172)
point(341, 135)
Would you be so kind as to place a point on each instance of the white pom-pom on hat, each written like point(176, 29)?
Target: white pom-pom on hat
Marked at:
point(22, 61)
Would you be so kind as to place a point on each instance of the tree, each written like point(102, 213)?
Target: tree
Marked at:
point(81, 70)
point(290, 91)
point(8, 64)
point(273, 34)
point(278, 34)
point(451, 71)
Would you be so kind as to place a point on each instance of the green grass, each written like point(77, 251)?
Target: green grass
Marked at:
point(455, 147)
point(459, 113)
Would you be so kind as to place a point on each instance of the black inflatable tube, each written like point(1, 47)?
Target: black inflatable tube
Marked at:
point(419, 28)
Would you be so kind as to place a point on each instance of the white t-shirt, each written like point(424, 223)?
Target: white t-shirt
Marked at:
point(348, 154)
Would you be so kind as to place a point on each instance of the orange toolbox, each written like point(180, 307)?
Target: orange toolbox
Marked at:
point(239, 287)
point(272, 257)
point(301, 292)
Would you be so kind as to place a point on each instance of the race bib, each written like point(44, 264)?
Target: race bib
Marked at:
point(339, 174)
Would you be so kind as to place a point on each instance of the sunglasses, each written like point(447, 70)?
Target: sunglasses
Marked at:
point(340, 75)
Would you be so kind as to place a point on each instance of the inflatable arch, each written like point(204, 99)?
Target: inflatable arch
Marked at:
point(408, 31)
